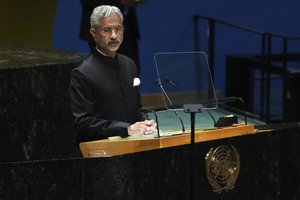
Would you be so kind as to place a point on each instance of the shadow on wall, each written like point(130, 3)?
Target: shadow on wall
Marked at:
point(29, 22)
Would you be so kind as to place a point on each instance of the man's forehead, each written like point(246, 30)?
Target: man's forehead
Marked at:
point(110, 19)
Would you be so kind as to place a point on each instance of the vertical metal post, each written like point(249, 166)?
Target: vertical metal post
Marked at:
point(211, 47)
point(285, 79)
point(196, 33)
point(268, 86)
point(262, 76)
point(192, 156)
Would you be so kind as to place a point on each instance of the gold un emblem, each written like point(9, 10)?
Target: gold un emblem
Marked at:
point(222, 167)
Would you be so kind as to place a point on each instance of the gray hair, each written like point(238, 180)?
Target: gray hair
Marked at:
point(104, 11)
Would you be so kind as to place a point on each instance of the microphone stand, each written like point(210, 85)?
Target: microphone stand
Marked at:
point(170, 102)
point(192, 109)
point(156, 119)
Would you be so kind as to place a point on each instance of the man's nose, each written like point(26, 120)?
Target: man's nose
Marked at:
point(113, 33)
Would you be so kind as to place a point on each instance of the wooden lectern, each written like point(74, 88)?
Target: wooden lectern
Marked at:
point(108, 147)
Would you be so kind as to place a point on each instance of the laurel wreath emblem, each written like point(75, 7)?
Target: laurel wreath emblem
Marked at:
point(222, 167)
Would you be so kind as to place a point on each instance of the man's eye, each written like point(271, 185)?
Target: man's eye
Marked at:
point(106, 30)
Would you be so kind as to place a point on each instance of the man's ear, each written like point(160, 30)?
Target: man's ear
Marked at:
point(93, 33)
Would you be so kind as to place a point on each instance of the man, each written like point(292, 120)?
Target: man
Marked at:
point(105, 99)
point(130, 45)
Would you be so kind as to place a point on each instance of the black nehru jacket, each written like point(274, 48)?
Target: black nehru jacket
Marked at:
point(104, 100)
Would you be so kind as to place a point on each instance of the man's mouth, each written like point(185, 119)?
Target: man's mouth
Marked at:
point(114, 43)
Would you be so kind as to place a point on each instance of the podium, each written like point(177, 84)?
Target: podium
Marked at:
point(269, 168)
point(107, 147)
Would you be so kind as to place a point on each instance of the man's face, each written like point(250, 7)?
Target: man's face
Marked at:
point(108, 35)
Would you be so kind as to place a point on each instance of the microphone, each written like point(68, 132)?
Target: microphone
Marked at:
point(227, 100)
point(156, 119)
point(167, 80)
point(170, 81)
point(222, 100)
point(233, 99)
point(170, 102)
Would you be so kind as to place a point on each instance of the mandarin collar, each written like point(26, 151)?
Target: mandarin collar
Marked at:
point(109, 60)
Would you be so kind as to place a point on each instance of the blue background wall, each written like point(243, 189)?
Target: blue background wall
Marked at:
point(168, 26)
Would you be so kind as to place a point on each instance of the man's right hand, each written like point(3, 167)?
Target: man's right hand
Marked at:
point(142, 128)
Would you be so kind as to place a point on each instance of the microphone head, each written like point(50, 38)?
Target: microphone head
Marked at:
point(168, 80)
point(158, 81)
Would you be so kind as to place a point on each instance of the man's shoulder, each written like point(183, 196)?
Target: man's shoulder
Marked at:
point(85, 67)
point(86, 63)
point(123, 59)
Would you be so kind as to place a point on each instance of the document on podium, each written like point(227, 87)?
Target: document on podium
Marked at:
point(164, 133)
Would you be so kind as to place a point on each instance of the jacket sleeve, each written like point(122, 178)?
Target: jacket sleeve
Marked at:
point(88, 125)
